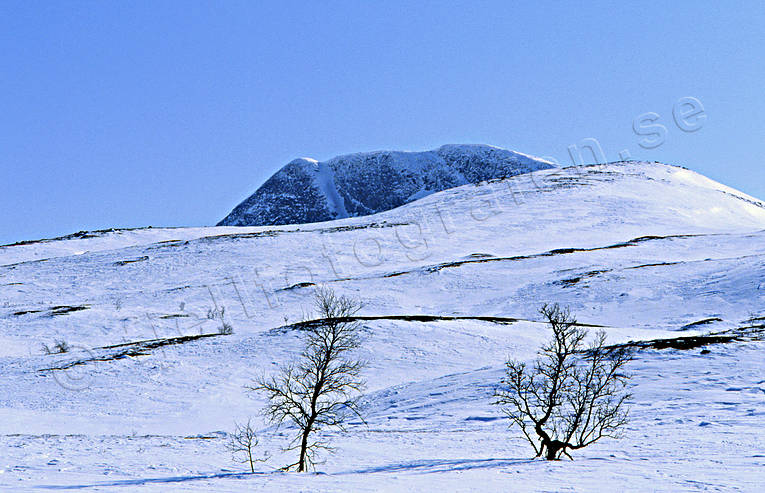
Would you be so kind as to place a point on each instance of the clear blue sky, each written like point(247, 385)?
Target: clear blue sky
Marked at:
point(123, 114)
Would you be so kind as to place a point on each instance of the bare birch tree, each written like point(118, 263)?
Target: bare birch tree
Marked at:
point(322, 389)
point(573, 395)
point(242, 443)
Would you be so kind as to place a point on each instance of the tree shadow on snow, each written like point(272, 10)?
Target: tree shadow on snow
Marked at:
point(149, 481)
point(442, 465)
point(417, 466)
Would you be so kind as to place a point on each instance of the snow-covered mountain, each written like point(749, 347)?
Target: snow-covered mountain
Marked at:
point(451, 284)
point(308, 191)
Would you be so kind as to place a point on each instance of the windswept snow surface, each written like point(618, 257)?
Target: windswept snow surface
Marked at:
point(643, 249)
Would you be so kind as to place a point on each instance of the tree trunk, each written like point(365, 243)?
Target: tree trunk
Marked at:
point(551, 448)
point(303, 451)
point(554, 447)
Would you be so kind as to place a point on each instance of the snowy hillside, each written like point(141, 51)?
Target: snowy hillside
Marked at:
point(308, 191)
point(451, 285)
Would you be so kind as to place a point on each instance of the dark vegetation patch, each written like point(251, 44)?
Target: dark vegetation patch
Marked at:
point(74, 236)
point(580, 324)
point(155, 343)
point(130, 349)
point(55, 310)
point(706, 321)
point(201, 437)
point(480, 255)
point(270, 233)
point(566, 283)
point(741, 334)
point(65, 309)
point(25, 312)
point(179, 288)
point(167, 244)
point(132, 261)
point(228, 236)
point(566, 251)
point(307, 324)
point(748, 201)
point(236, 236)
point(298, 286)
point(13, 266)
point(277, 232)
point(550, 253)
point(337, 229)
point(680, 343)
point(653, 265)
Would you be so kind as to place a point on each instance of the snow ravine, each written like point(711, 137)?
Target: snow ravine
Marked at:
point(643, 249)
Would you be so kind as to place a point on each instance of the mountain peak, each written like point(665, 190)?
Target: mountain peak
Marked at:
point(359, 184)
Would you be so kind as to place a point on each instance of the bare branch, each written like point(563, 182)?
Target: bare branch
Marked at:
point(242, 443)
point(322, 389)
point(572, 396)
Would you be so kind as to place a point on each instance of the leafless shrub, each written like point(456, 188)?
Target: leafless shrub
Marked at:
point(573, 395)
point(242, 443)
point(219, 314)
point(225, 328)
point(60, 346)
point(320, 390)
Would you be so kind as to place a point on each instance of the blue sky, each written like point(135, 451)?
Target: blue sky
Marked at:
point(126, 114)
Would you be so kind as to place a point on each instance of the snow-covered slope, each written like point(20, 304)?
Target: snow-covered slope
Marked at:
point(645, 250)
point(307, 191)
